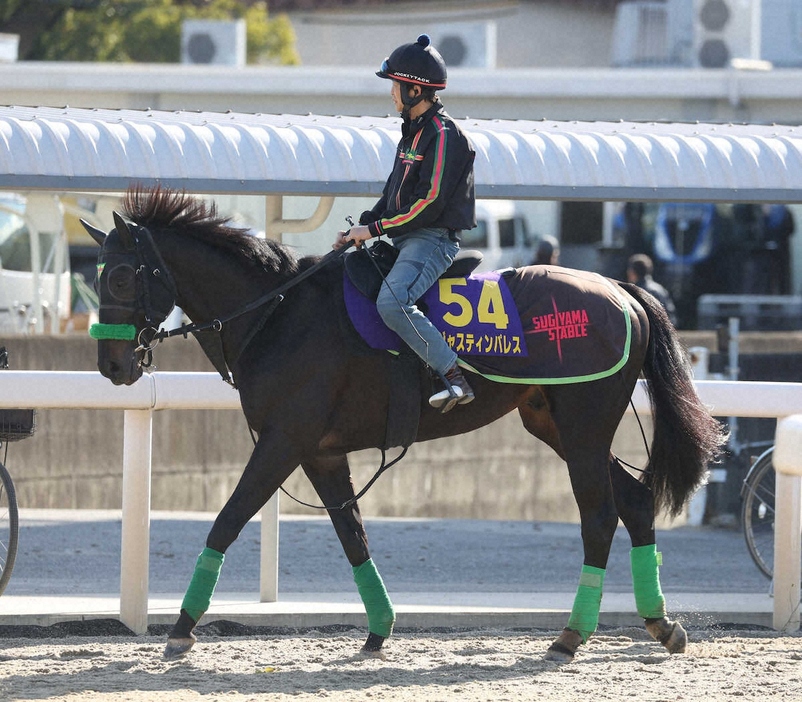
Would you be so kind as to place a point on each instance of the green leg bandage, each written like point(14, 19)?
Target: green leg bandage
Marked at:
point(585, 613)
point(381, 615)
point(649, 598)
point(204, 580)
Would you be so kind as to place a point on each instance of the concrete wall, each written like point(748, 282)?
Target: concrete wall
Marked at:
point(498, 472)
point(75, 458)
point(527, 34)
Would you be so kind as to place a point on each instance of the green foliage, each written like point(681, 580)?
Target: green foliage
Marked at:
point(150, 31)
point(8, 8)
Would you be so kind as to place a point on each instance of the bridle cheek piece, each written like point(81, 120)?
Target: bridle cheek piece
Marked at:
point(149, 300)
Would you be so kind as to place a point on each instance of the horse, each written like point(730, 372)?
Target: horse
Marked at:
point(311, 396)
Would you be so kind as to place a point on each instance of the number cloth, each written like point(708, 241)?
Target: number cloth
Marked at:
point(540, 324)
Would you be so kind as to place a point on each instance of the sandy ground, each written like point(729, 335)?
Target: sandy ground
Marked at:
point(617, 664)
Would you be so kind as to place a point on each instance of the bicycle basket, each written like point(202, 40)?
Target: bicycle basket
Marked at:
point(15, 424)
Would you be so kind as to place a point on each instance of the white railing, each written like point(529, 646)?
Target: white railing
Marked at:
point(157, 391)
point(787, 523)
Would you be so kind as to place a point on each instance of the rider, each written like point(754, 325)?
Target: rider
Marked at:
point(427, 200)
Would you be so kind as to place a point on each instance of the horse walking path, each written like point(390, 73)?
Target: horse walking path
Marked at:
point(439, 572)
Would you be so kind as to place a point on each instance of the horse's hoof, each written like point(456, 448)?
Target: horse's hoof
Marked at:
point(372, 647)
point(670, 634)
point(178, 648)
point(564, 648)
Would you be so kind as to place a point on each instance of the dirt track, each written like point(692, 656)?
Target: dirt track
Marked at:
point(620, 664)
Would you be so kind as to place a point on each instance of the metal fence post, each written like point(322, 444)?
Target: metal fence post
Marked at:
point(268, 563)
point(134, 552)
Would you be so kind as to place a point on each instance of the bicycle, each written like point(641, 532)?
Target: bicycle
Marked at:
point(15, 424)
point(757, 490)
point(9, 527)
point(757, 512)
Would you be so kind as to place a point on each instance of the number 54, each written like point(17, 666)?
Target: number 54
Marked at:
point(489, 309)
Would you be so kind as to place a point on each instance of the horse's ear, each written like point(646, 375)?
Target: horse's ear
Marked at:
point(97, 234)
point(124, 232)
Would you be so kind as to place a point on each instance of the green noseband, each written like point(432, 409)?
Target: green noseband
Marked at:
point(117, 332)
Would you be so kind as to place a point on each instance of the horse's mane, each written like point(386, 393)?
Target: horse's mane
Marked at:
point(166, 209)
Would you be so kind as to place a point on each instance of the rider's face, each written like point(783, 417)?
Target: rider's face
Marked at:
point(395, 94)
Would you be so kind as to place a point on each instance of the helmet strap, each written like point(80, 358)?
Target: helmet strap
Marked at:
point(409, 102)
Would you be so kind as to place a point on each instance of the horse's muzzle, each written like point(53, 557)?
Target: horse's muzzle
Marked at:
point(120, 368)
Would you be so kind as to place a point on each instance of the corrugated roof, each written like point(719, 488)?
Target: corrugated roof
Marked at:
point(80, 149)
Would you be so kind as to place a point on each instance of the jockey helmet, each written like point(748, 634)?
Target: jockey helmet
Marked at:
point(416, 64)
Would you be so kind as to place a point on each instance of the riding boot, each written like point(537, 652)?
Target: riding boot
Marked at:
point(456, 392)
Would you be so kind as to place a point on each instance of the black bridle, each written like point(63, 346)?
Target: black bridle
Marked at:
point(156, 296)
point(153, 294)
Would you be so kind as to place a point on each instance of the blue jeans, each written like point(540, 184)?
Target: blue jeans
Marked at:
point(423, 257)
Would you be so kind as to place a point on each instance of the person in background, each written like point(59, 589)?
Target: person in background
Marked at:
point(778, 228)
point(427, 201)
point(547, 252)
point(639, 272)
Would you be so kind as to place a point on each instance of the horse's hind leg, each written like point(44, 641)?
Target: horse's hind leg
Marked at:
point(570, 419)
point(635, 504)
point(591, 488)
point(331, 478)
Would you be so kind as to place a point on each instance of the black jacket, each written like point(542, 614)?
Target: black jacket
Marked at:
point(432, 180)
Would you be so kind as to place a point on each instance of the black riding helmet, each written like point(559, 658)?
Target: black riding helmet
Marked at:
point(415, 64)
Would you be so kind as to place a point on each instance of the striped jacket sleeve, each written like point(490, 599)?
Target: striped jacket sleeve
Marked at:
point(433, 182)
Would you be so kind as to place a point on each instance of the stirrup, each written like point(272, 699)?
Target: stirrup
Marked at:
point(452, 395)
point(448, 398)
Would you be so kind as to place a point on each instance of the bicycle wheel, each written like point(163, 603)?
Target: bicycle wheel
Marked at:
point(9, 527)
point(757, 513)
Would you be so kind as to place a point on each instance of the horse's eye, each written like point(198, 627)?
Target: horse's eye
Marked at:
point(121, 282)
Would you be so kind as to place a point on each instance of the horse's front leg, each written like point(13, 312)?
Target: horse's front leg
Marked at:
point(635, 504)
point(272, 461)
point(331, 478)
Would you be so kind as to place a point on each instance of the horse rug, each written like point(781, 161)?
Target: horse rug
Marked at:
point(538, 324)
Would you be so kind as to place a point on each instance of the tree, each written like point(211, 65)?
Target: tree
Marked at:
point(136, 30)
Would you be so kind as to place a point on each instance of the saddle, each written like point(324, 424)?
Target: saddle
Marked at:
point(367, 266)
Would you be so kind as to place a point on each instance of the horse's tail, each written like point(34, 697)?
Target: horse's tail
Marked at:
point(686, 436)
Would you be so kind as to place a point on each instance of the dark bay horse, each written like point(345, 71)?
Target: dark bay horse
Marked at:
point(311, 399)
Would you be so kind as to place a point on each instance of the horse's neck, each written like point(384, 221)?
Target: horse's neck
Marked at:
point(209, 284)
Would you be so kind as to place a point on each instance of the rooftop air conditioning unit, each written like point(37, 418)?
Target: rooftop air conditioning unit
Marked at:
point(640, 34)
point(725, 30)
point(782, 31)
point(220, 42)
point(9, 48)
point(466, 44)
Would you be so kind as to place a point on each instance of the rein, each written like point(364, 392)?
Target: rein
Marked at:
point(127, 332)
point(353, 500)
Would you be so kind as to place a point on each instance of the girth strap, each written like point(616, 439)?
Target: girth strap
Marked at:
point(403, 411)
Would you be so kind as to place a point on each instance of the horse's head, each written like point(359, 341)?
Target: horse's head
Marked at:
point(136, 293)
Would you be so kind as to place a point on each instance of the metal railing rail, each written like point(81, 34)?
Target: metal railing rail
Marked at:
point(162, 390)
